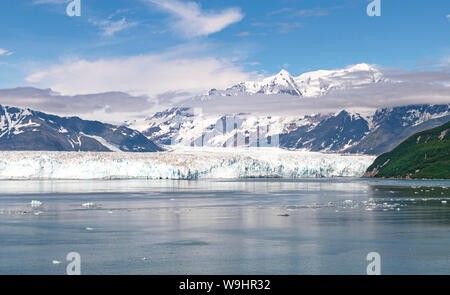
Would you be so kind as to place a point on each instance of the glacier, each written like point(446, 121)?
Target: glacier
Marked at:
point(181, 164)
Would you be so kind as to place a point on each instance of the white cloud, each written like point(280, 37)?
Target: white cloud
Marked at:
point(151, 74)
point(192, 21)
point(5, 52)
point(109, 27)
point(280, 27)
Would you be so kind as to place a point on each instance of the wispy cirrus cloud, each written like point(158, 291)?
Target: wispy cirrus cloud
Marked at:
point(50, 1)
point(311, 12)
point(290, 12)
point(280, 11)
point(243, 34)
point(5, 52)
point(192, 21)
point(280, 27)
point(109, 27)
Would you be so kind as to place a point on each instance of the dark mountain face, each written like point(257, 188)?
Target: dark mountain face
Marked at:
point(351, 133)
point(392, 126)
point(23, 129)
point(334, 133)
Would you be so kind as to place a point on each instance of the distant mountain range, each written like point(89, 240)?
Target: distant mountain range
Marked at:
point(424, 155)
point(310, 84)
point(342, 132)
point(346, 131)
point(25, 129)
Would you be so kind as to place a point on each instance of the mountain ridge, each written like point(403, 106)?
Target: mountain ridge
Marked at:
point(340, 132)
point(26, 129)
point(309, 84)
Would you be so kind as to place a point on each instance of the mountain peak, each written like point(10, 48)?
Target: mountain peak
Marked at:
point(309, 84)
point(283, 73)
point(361, 67)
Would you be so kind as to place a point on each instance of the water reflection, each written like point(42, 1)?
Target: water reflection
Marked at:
point(258, 226)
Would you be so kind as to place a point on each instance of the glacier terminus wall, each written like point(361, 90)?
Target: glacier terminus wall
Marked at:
point(181, 164)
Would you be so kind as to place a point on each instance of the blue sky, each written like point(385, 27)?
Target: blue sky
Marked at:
point(154, 42)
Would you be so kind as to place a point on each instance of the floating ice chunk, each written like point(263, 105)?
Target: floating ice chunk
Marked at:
point(348, 201)
point(36, 204)
point(89, 205)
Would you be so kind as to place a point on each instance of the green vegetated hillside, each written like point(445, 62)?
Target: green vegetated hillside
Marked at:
point(425, 155)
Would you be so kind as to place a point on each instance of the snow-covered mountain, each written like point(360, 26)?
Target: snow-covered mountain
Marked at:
point(25, 129)
point(308, 84)
point(342, 132)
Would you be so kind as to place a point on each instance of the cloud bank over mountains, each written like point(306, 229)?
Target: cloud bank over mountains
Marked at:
point(116, 90)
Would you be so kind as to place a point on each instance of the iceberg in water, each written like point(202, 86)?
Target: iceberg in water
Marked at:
point(181, 164)
point(36, 204)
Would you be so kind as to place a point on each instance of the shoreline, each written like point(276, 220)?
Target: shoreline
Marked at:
point(413, 179)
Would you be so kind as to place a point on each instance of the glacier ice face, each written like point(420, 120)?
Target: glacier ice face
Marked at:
point(181, 164)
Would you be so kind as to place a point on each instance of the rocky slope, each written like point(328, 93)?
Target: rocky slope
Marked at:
point(25, 129)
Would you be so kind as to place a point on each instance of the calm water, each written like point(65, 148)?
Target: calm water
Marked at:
point(225, 227)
